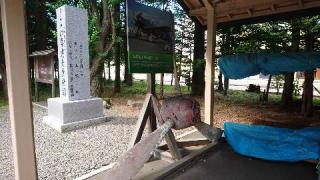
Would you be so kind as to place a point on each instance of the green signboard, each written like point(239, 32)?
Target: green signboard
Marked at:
point(150, 39)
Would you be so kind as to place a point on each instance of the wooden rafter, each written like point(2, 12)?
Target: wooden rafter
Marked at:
point(233, 10)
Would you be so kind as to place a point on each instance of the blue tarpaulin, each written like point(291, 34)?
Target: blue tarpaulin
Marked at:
point(245, 65)
point(270, 143)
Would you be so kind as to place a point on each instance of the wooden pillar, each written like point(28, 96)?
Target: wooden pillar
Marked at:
point(14, 35)
point(210, 63)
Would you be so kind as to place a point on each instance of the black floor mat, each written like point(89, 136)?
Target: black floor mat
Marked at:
point(222, 163)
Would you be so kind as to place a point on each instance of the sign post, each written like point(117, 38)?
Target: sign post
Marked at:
point(150, 39)
point(44, 70)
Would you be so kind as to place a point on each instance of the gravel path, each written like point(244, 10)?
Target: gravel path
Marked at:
point(72, 154)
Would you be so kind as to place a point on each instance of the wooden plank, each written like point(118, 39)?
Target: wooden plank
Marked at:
point(163, 155)
point(210, 63)
point(170, 139)
point(15, 45)
point(189, 143)
point(184, 162)
point(141, 123)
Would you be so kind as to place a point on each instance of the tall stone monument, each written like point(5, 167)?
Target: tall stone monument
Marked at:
point(74, 108)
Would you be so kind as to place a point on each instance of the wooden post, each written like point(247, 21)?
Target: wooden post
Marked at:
point(210, 63)
point(14, 35)
point(152, 122)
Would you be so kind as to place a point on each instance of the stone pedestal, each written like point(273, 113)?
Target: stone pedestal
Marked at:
point(75, 108)
point(64, 115)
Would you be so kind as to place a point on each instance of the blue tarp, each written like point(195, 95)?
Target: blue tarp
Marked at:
point(270, 143)
point(245, 65)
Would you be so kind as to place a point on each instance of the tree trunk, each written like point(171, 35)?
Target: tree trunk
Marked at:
point(197, 86)
point(226, 86)
point(176, 79)
point(307, 98)
point(104, 25)
point(4, 80)
point(96, 80)
point(220, 85)
point(161, 86)
point(127, 76)
point(288, 87)
point(116, 14)
point(266, 96)
point(109, 69)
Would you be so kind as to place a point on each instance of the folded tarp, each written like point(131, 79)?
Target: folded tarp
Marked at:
point(270, 143)
point(245, 65)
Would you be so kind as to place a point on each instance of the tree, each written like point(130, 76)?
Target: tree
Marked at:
point(197, 86)
point(128, 79)
point(288, 86)
point(311, 29)
point(116, 47)
point(100, 13)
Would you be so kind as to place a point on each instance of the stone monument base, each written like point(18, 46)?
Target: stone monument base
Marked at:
point(64, 115)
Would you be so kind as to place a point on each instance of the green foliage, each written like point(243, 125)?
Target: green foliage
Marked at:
point(277, 82)
point(296, 87)
point(3, 102)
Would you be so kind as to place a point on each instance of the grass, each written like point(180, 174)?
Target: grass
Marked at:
point(3, 101)
point(247, 98)
point(139, 88)
point(251, 98)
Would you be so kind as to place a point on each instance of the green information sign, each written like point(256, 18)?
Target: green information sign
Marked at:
point(150, 39)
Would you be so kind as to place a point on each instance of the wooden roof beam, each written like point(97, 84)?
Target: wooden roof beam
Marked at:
point(273, 7)
point(250, 12)
point(208, 4)
point(198, 12)
point(300, 2)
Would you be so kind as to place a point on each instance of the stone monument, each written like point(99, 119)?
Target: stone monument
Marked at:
point(74, 108)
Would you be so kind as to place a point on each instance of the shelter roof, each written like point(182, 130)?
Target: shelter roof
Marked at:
point(233, 12)
point(42, 53)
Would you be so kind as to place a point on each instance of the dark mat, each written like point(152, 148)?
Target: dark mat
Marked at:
point(222, 163)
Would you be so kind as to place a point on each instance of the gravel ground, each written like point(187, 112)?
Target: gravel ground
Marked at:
point(72, 154)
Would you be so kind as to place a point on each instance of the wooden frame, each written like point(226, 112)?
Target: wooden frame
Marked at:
point(47, 55)
point(238, 10)
point(151, 105)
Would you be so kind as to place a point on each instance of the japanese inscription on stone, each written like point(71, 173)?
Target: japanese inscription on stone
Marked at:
point(72, 28)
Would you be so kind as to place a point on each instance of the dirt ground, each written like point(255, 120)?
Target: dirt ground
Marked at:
point(267, 114)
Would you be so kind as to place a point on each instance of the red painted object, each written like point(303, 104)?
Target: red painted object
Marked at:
point(184, 111)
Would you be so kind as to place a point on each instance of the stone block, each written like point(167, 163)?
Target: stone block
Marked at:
point(67, 115)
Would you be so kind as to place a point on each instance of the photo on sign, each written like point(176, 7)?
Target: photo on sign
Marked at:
point(150, 39)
